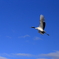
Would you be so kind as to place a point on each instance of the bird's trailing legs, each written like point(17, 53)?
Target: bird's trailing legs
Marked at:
point(46, 33)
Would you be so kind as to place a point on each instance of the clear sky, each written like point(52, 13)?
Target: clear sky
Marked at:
point(18, 40)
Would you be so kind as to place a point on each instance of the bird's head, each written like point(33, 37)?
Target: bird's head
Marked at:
point(32, 27)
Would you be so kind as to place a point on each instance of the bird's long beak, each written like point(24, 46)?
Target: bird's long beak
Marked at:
point(32, 27)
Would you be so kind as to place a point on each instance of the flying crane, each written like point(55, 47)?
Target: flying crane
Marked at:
point(41, 26)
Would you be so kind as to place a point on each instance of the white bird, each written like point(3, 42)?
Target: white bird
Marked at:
point(41, 26)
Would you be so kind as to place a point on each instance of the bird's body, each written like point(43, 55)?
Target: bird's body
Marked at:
point(41, 26)
point(40, 30)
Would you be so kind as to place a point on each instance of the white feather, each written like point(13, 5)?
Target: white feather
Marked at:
point(39, 28)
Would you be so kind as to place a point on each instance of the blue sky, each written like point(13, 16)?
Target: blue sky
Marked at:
point(18, 40)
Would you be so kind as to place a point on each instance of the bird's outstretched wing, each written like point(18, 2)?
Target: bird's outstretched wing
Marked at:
point(42, 22)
